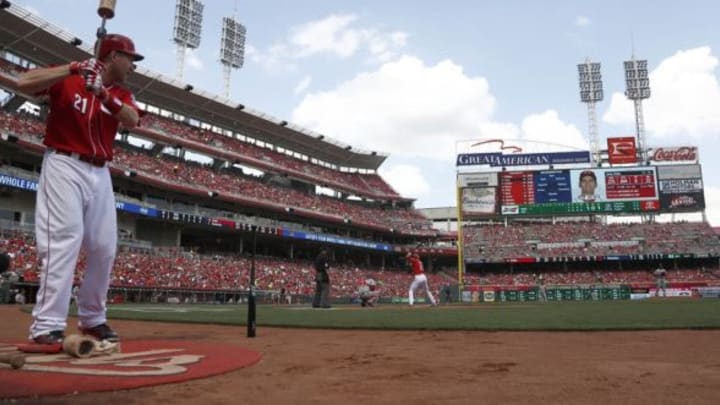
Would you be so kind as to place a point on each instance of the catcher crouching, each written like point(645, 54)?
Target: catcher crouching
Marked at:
point(368, 293)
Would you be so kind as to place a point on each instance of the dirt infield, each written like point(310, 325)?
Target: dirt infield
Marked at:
point(334, 367)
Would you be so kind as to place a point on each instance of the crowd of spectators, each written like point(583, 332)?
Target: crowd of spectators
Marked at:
point(174, 268)
point(598, 277)
point(363, 184)
point(22, 124)
point(582, 239)
point(231, 182)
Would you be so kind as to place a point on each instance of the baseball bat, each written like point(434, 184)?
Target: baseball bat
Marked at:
point(78, 346)
point(251, 299)
point(15, 360)
point(106, 11)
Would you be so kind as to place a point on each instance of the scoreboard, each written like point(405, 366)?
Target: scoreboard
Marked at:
point(552, 186)
point(524, 188)
point(517, 188)
point(630, 184)
point(607, 190)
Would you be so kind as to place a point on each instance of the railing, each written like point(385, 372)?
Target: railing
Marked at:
point(14, 227)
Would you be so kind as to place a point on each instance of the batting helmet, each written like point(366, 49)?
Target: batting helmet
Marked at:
point(120, 43)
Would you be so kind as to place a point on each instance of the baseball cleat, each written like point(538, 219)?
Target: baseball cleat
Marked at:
point(102, 332)
point(53, 338)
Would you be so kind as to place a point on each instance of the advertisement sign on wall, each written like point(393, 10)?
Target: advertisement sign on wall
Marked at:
point(479, 200)
point(622, 150)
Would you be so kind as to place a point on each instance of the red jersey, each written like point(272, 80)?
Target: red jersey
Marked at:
point(78, 122)
point(416, 266)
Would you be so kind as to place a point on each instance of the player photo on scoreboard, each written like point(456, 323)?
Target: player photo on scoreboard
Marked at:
point(588, 185)
point(610, 184)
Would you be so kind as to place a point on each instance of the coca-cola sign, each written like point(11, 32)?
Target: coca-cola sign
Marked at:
point(678, 154)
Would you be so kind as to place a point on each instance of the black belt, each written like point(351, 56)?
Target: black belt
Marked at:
point(93, 160)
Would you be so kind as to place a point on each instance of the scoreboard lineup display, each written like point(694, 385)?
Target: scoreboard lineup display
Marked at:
point(613, 190)
point(636, 184)
point(559, 191)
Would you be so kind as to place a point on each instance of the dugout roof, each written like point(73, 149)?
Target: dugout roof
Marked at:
point(30, 37)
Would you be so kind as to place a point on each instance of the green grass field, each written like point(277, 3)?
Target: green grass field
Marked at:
point(562, 316)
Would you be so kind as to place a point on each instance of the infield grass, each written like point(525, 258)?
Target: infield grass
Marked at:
point(677, 313)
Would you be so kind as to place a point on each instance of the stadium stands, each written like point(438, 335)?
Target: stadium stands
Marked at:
point(598, 277)
point(172, 268)
point(231, 181)
point(495, 243)
point(361, 184)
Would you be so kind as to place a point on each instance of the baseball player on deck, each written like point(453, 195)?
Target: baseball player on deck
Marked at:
point(419, 280)
point(75, 202)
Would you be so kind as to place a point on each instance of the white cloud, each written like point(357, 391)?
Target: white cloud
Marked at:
point(330, 34)
point(193, 61)
point(413, 110)
point(620, 111)
point(685, 98)
point(405, 179)
point(404, 107)
point(335, 35)
point(274, 58)
point(548, 132)
point(582, 21)
point(302, 85)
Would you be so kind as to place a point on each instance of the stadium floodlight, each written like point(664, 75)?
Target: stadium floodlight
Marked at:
point(591, 92)
point(187, 29)
point(637, 88)
point(232, 49)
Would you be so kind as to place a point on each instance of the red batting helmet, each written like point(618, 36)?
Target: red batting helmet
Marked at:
point(120, 43)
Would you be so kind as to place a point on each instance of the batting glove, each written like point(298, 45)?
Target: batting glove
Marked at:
point(87, 67)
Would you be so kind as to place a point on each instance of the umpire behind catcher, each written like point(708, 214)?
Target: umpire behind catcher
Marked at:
point(322, 280)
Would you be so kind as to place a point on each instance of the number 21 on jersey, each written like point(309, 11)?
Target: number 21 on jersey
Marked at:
point(80, 103)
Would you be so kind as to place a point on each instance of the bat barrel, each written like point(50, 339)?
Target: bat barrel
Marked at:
point(106, 9)
point(79, 346)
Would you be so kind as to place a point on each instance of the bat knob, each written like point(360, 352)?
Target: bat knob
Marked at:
point(17, 362)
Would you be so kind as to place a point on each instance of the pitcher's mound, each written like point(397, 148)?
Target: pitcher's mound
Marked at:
point(141, 363)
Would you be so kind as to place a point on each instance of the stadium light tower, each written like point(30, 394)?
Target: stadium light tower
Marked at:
point(187, 29)
point(232, 49)
point(638, 88)
point(591, 92)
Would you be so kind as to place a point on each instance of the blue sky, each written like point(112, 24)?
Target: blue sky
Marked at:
point(410, 78)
